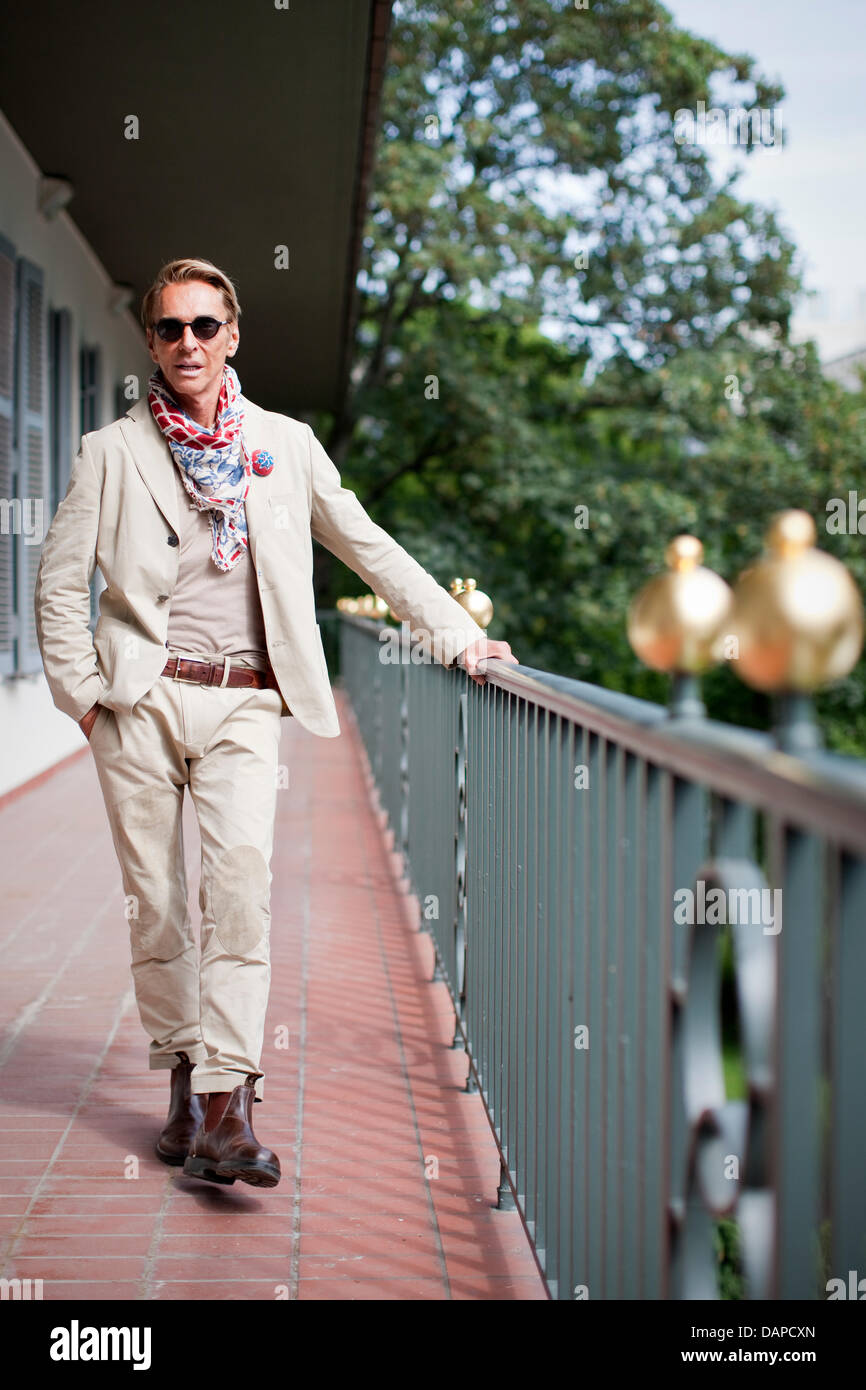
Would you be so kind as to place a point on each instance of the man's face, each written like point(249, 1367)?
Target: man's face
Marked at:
point(192, 368)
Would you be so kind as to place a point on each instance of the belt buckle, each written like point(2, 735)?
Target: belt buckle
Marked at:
point(188, 680)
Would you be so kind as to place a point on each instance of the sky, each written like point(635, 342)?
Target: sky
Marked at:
point(817, 182)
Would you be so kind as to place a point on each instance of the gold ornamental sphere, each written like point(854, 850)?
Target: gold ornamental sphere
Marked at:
point(797, 622)
point(677, 621)
point(470, 597)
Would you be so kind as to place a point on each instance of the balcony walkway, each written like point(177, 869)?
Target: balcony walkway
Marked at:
point(363, 1098)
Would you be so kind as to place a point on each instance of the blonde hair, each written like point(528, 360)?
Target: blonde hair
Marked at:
point(190, 268)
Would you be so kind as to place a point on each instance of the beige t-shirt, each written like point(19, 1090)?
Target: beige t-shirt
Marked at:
point(213, 612)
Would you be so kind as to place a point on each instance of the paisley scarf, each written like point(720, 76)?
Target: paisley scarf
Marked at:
point(214, 465)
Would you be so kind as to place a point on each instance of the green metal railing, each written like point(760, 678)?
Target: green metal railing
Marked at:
point(656, 1087)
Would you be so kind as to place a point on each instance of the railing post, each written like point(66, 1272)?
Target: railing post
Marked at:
point(377, 720)
point(676, 624)
point(795, 728)
point(404, 754)
point(460, 865)
point(686, 701)
point(460, 868)
point(504, 1194)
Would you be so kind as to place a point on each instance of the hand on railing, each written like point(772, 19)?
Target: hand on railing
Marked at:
point(481, 651)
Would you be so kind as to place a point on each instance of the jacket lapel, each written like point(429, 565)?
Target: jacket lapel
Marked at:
point(154, 462)
point(257, 506)
point(152, 458)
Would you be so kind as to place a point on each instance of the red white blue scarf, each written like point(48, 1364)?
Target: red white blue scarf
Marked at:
point(214, 466)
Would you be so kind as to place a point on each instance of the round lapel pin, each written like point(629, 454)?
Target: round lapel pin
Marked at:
point(263, 462)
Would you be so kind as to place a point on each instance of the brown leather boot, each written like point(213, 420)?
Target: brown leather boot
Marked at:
point(230, 1150)
point(185, 1114)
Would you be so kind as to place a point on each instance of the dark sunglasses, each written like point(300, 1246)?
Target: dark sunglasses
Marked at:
point(204, 328)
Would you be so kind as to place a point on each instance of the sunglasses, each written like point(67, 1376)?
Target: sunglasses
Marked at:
point(204, 328)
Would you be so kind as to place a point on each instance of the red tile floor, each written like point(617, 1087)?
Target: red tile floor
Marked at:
point(364, 1095)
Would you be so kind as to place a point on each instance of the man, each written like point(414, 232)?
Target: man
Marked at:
point(200, 508)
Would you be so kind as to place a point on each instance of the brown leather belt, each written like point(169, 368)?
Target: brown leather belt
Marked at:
point(181, 668)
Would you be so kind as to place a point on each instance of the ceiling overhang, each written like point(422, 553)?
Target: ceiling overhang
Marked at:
point(253, 131)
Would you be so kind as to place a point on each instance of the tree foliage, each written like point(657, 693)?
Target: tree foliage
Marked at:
point(555, 297)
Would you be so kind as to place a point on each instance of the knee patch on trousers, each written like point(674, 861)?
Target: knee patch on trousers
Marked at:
point(239, 899)
point(151, 809)
point(146, 831)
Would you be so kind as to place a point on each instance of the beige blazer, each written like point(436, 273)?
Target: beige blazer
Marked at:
point(120, 511)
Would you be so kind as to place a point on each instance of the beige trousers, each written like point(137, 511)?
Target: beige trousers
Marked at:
point(222, 745)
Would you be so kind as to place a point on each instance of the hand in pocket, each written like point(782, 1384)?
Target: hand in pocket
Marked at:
point(87, 723)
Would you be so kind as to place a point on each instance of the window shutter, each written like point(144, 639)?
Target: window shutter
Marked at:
point(60, 385)
point(90, 381)
point(32, 452)
point(7, 392)
point(90, 386)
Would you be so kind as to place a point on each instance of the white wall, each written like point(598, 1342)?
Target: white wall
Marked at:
point(33, 734)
